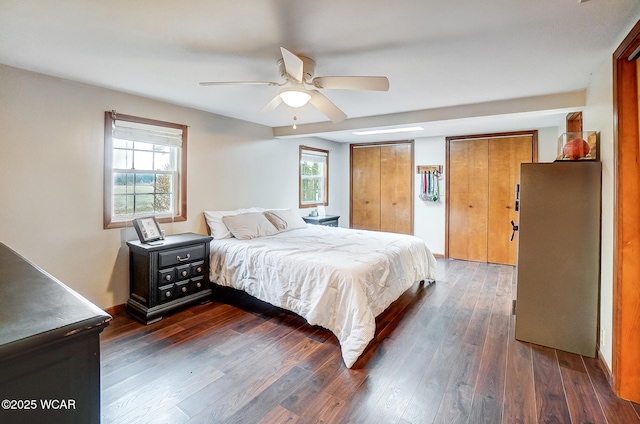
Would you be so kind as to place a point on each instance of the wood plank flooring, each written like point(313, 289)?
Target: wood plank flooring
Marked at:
point(443, 353)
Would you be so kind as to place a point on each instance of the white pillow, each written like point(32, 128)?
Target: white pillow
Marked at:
point(216, 226)
point(285, 219)
point(246, 226)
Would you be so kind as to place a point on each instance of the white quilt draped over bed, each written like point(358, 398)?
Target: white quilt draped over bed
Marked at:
point(336, 278)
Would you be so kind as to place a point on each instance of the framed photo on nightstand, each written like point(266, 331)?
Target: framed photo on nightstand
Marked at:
point(148, 229)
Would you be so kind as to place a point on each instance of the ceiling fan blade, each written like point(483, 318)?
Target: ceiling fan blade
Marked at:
point(240, 83)
point(292, 64)
point(273, 103)
point(325, 106)
point(352, 83)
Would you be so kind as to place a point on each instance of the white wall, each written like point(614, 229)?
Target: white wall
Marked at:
point(429, 217)
point(598, 116)
point(51, 161)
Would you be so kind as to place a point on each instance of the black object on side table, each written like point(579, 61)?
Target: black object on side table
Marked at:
point(326, 220)
point(167, 275)
point(49, 347)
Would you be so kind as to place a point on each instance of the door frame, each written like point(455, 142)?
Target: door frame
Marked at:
point(626, 251)
point(534, 152)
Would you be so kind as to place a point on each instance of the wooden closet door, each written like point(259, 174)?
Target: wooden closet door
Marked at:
point(468, 197)
point(365, 188)
point(396, 188)
point(505, 156)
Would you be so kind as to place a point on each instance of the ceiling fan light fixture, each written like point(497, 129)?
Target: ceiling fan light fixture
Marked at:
point(294, 97)
point(298, 74)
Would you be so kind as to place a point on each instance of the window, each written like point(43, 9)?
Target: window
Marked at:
point(145, 170)
point(314, 177)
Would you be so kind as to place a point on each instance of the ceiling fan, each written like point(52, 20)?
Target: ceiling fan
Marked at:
point(300, 86)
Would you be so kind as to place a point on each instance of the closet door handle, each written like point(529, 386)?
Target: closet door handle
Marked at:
point(393, 203)
point(514, 228)
point(508, 207)
point(470, 206)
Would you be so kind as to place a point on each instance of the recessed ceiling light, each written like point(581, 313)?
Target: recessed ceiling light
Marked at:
point(388, 130)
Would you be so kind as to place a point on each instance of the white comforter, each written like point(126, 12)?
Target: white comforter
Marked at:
point(337, 278)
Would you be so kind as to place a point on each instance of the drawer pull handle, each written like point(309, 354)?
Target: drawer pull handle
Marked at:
point(199, 269)
point(186, 258)
point(184, 273)
point(199, 284)
point(184, 290)
point(167, 277)
point(168, 294)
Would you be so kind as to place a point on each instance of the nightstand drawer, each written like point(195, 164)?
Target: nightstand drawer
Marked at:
point(181, 256)
point(166, 276)
point(197, 284)
point(183, 288)
point(197, 268)
point(183, 271)
point(165, 293)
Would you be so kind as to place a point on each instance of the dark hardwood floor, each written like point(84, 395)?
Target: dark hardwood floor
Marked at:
point(443, 353)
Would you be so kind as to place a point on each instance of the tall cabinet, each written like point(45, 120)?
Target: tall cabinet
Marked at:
point(559, 255)
point(483, 173)
point(382, 187)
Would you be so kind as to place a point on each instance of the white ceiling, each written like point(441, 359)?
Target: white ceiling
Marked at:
point(446, 60)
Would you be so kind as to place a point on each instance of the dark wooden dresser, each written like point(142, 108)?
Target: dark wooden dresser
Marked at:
point(49, 347)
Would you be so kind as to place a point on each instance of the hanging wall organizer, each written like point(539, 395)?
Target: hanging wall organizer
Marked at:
point(429, 182)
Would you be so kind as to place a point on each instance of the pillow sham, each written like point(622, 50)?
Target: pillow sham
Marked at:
point(250, 225)
point(285, 219)
point(217, 228)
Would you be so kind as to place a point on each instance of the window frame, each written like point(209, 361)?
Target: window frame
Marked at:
point(108, 219)
point(317, 151)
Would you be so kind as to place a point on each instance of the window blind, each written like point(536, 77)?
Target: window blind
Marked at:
point(134, 131)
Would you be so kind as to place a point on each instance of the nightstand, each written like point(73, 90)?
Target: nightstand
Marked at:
point(167, 276)
point(326, 220)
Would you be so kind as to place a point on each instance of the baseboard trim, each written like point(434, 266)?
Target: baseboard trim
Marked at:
point(605, 368)
point(114, 310)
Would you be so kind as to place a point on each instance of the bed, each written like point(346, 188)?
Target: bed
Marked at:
point(337, 278)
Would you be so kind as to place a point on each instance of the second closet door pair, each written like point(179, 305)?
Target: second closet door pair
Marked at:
point(483, 174)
